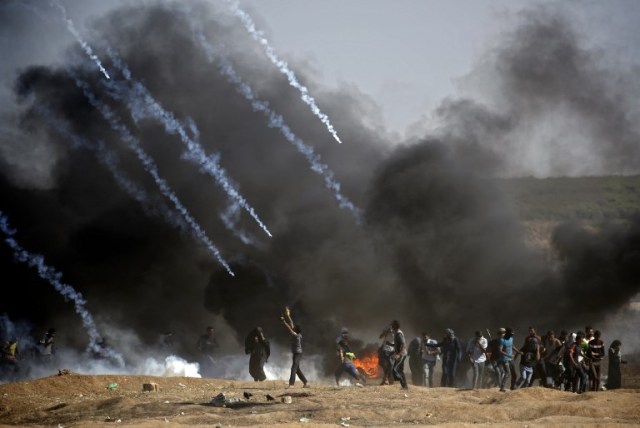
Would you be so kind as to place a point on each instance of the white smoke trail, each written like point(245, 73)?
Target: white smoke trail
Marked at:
point(142, 105)
point(85, 46)
point(67, 291)
point(277, 121)
point(111, 161)
point(152, 169)
point(230, 217)
point(282, 66)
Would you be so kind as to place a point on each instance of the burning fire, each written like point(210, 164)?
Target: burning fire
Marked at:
point(368, 364)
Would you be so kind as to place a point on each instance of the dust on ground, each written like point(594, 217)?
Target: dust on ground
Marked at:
point(74, 400)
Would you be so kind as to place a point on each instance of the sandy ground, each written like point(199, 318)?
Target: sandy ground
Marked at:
point(74, 400)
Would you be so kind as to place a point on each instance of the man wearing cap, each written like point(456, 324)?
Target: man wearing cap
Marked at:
point(345, 359)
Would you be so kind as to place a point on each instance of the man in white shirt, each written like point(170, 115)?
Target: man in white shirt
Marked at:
point(430, 353)
point(476, 352)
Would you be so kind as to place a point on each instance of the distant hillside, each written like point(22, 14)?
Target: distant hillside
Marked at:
point(589, 199)
point(543, 204)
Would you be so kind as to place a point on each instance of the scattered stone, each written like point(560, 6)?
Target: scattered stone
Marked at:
point(304, 420)
point(247, 395)
point(219, 400)
point(64, 372)
point(150, 387)
point(270, 397)
point(182, 385)
point(287, 399)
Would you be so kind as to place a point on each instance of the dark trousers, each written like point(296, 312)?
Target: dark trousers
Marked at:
point(449, 372)
point(386, 362)
point(580, 379)
point(256, 368)
point(295, 370)
point(398, 370)
point(513, 374)
point(417, 374)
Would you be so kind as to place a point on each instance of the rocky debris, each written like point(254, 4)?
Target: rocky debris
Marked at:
point(270, 397)
point(247, 395)
point(63, 372)
point(287, 399)
point(219, 400)
point(150, 387)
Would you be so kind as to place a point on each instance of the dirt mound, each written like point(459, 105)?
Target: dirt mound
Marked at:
point(74, 400)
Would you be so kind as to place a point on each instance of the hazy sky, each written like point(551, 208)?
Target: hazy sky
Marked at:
point(407, 54)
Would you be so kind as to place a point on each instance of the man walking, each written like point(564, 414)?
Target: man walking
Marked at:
point(476, 352)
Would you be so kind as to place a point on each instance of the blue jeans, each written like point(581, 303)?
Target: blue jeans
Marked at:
point(526, 373)
point(348, 367)
point(478, 375)
point(502, 368)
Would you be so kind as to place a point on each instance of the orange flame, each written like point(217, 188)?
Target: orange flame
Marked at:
point(368, 364)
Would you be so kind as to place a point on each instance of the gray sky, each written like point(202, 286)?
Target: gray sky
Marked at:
point(407, 54)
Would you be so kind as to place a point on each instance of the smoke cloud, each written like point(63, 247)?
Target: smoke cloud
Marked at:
point(440, 244)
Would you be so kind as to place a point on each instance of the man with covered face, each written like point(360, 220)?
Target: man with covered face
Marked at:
point(451, 357)
point(259, 349)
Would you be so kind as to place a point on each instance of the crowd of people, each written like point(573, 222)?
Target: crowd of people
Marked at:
point(568, 361)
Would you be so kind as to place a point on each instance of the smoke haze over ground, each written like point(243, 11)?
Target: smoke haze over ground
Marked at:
point(440, 246)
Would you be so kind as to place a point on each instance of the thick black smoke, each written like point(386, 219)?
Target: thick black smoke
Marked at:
point(440, 247)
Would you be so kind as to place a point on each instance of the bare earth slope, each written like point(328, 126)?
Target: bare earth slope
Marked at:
point(79, 401)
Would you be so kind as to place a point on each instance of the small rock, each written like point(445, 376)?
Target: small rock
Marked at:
point(347, 419)
point(219, 400)
point(304, 420)
point(287, 399)
point(270, 397)
point(150, 387)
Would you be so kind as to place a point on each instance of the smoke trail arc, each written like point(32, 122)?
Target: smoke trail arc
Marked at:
point(72, 29)
point(141, 104)
point(49, 274)
point(282, 66)
point(110, 160)
point(152, 169)
point(276, 120)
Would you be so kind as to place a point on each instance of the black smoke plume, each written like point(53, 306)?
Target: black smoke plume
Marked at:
point(441, 246)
